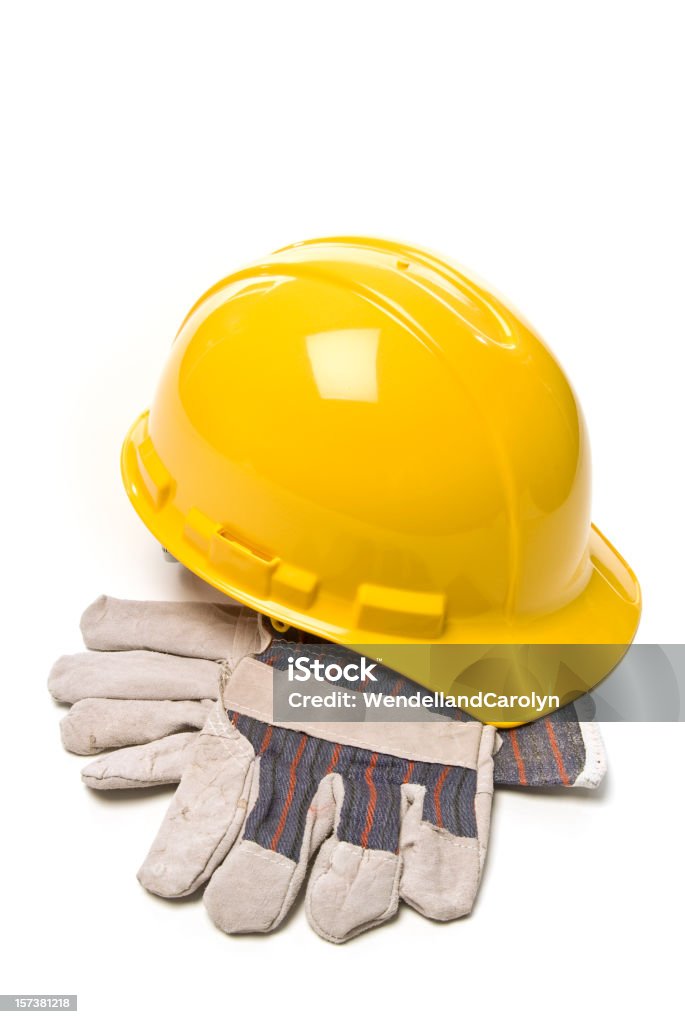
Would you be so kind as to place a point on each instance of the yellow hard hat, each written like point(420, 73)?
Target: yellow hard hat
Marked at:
point(356, 439)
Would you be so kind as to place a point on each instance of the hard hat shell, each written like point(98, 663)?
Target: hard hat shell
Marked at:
point(357, 439)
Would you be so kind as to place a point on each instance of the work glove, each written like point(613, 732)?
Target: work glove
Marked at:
point(397, 809)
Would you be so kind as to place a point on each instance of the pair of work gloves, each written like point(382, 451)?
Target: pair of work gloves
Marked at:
point(182, 693)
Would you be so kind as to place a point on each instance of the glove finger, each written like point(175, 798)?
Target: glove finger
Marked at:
point(206, 813)
point(159, 763)
point(96, 724)
point(142, 675)
point(290, 813)
point(440, 866)
point(445, 828)
point(351, 890)
point(354, 883)
point(191, 629)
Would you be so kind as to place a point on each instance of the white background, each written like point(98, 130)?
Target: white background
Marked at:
point(149, 149)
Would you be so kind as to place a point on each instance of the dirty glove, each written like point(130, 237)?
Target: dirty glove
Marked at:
point(144, 689)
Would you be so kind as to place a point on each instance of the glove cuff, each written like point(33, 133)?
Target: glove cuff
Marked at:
point(249, 691)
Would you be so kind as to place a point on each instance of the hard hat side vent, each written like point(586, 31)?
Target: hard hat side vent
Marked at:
point(404, 612)
point(155, 483)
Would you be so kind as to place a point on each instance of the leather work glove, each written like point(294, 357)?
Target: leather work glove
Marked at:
point(397, 809)
point(393, 809)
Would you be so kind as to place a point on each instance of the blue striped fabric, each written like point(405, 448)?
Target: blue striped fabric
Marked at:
point(293, 764)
